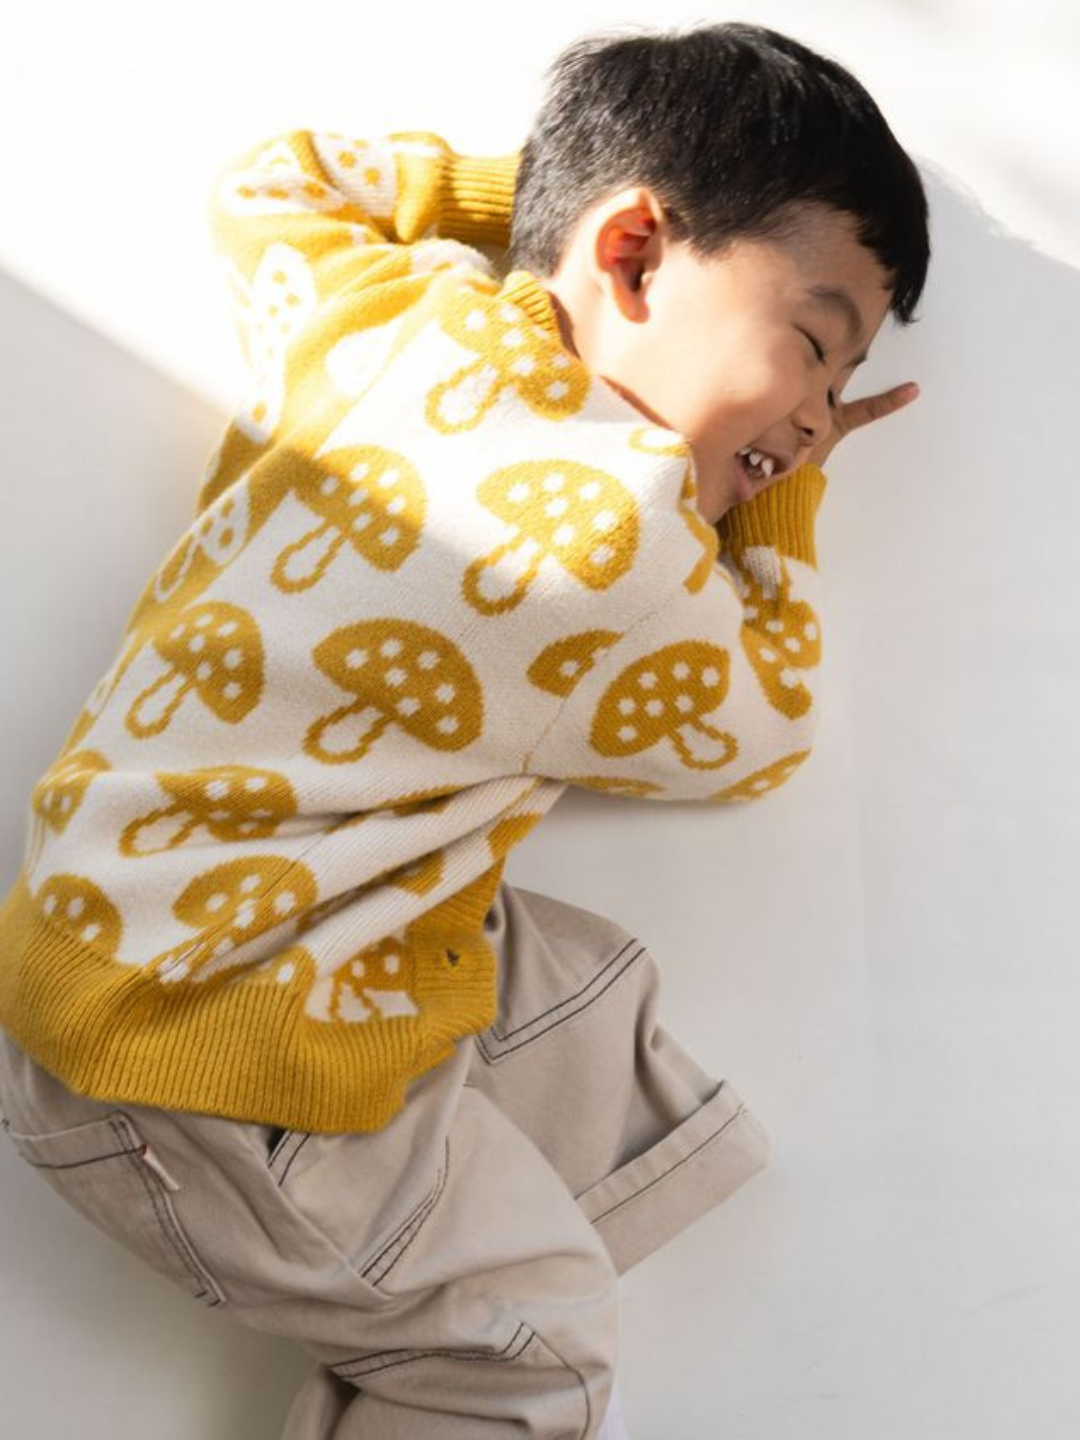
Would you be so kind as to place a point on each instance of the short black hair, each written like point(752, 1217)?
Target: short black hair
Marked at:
point(734, 128)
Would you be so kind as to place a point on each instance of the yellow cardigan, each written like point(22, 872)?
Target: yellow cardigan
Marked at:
point(437, 571)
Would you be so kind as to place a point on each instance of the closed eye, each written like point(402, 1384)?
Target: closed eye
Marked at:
point(820, 353)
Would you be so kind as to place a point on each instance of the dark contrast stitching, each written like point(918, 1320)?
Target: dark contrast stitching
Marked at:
point(402, 1238)
point(364, 1367)
point(406, 1357)
point(305, 1136)
point(670, 1170)
point(163, 1213)
point(491, 1055)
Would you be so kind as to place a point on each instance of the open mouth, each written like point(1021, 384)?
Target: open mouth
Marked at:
point(756, 464)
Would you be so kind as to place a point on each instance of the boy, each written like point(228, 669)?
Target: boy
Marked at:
point(466, 541)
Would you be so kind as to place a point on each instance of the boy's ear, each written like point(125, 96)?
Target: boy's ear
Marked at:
point(629, 235)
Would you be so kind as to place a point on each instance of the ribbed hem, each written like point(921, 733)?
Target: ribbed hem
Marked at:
point(242, 1047)
point(782, 516)
point(478, 198)
point(522, 288)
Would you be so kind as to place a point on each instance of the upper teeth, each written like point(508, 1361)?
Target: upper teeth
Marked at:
point(765, 463)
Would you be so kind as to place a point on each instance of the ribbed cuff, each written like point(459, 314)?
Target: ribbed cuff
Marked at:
point(782, 516)
point(477, 199)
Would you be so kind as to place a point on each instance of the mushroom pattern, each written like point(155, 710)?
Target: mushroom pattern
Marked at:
point(616, 784)
point(701, 530)
point(230, 905)
point(583, 518)
point(216, 650)
point(770, 778)
point(369, 985)
point(510, 351)
point(231, 802)
point(56, 797)
point(781, 636)
point(560, 666)
point(430, 802)
point(655, 440)
point(419, 876)
point(130, 646)
point(363, 171)
point(510, 831)
point(223, 530)
point(269, 311)
point(292, 964)
point(402, 673)
point(289, 189)
point(666, 695)
point(365, 496)
point(83, 908)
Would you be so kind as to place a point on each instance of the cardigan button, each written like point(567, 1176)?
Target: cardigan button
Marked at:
point(453, 956)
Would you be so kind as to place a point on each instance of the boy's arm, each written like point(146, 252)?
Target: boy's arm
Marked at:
point(308, 214)
point(710, 695)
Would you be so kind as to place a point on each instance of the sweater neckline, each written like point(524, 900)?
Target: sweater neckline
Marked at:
point(521, 287)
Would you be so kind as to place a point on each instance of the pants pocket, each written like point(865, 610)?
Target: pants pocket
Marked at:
point(105, 1170)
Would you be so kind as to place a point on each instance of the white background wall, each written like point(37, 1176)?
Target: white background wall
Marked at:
point(881, 957)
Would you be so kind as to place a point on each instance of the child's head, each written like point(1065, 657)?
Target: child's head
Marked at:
point(683, 196)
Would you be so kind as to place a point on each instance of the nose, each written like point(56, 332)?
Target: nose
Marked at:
point(813, 419)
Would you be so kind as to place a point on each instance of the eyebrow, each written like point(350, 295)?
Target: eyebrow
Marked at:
point(842, 301)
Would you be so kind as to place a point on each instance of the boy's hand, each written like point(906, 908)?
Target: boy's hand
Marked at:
point(850, 415)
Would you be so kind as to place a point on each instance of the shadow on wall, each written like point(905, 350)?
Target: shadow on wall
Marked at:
point(951, 559)
point(103, 455)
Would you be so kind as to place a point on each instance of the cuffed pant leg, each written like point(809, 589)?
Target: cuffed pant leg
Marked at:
point(645, 1138)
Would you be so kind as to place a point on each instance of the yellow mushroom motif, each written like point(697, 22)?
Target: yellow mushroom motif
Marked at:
point(82, 908)
point(363, 171)
point(372, 984)
point(103, 691)
point(560, 666)
point(418, 876)
point(401, 673)
point(701, 530)
point(580, 517)
point(57, 796)
point(215, 650)
point(616, 785)
point(221, 532)
point(366, 497)
point(226, 802)
point(655, 440)
point(666, 695)
point(761, 781)
point(229, 906)
point(510, 352)
point(510, 831)
point(270, 311)
point(781, 636)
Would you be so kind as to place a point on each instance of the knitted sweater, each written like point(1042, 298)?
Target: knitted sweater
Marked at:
point(438, 571)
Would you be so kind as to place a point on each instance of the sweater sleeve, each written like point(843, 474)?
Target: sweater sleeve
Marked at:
point(710, 694)
point(309, 214)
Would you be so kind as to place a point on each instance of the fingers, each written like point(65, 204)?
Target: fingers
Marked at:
point(876, 407)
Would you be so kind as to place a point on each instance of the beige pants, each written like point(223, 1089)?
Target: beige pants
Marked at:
point(455, 1272)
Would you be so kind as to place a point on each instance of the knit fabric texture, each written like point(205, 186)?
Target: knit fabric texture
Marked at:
point(438, 570)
